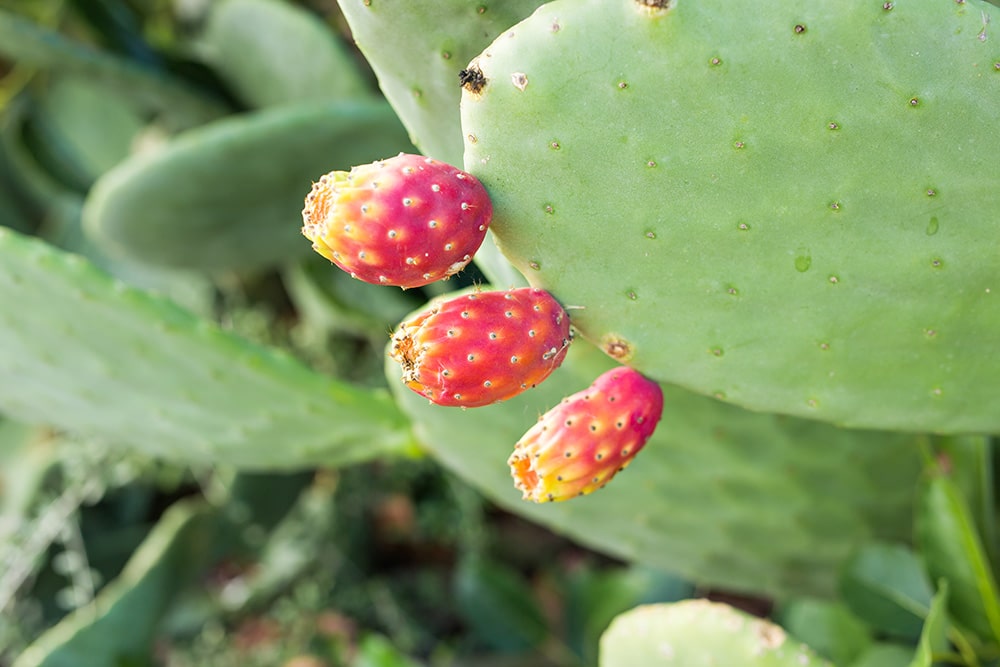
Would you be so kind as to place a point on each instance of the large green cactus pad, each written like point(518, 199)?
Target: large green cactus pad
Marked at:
point(83, 353)
point(790, 206)
point(723, 496)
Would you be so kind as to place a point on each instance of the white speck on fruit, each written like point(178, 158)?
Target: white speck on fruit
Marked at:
point(435, 187)
point(433, 224)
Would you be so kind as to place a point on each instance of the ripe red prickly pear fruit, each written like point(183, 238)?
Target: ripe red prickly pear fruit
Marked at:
point(408, 220)
point(481, 348)
point(580, 444)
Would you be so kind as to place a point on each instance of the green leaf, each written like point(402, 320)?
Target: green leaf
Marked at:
point(886, 586)
point(275, 53)
point(885, 655)
point(119, 625)
point(933, 639)
point(698, 633)
point(228, 195)
point(828, 627)
point(83, 353)
point(970, 464)
point(499, 606)
point(377, 651)
point(953, 550)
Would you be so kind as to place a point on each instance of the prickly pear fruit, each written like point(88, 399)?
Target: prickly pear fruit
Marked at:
point(408, 220)
point(482, 348)
point(580, 444)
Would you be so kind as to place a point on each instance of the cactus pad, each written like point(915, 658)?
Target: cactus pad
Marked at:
point(417, 49)
point(699, 633)
point(789, 206)
point(227, 195)
point(723, 496)
point(83, 353)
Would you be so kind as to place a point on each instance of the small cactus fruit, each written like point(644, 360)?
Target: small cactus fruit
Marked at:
point(408, 220)
point(481, 348)
point(580, 444)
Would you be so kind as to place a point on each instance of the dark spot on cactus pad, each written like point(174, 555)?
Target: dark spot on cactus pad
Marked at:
point(931, 192)
point(655, 7)
point(833, 125)
point(520, 80)
point(914, 101)
point(937, 263)
point(738, 145)
point(888, 5)
point(824, 346)
point(717, 351)
point(616, 347)
point(715, 62)
point(472, 79)
point(535, 265)
point(803, 261)
point(799, 29)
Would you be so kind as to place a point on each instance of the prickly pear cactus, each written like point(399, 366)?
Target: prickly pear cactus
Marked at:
point(715, 493)
point(789, 206)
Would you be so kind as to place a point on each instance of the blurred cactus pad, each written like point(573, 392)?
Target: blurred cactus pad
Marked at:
point(789, 206)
